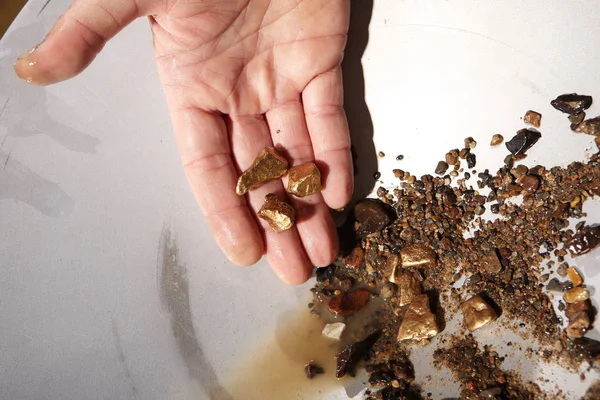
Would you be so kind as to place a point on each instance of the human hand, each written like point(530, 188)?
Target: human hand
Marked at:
point(238, 75)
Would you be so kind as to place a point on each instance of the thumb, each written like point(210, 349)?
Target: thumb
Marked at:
point(78, 35)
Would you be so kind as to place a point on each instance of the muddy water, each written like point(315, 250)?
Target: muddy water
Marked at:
point(274, 369)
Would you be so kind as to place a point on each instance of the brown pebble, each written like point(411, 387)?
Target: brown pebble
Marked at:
point(589, 126)
point(346, 304)
point(381, 154)
point(585, 240)
point(578, 326)
point(576, 295)
point(496, 140)
point(470, 143)
point(577, 118)
point(533, 118)
point(463, 153)
point(398, 173)
point(441, 168)
point(574, 276)
point(400, 157)
point(355, 259)
point(562, 270)
point(490, 263)
point(529, 183)
point(371, 216)
point(451, 158)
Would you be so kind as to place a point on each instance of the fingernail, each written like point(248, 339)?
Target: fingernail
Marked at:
point(27, 53)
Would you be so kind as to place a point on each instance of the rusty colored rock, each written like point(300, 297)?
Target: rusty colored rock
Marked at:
point(268, 166)
point(585, 240)
point(477, 313)
point(576, 295)
point(409, 286)
point(579, 324)
point(490, 263)
point(574, 276)
point(355, 259)
point(417, 255)
point(589, 127)
point(533, 118)
point(279, 214)
point(529, 183)
point(304, 180)
point(345, 304)
point(496, 140)
point(574, 308)
point(572, 103)
point(419, 322)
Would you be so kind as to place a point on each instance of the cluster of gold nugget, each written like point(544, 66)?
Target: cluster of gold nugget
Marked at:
point(304, 180)
point(419, 323)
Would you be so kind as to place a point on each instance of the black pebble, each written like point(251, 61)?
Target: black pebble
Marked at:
point(523, 141)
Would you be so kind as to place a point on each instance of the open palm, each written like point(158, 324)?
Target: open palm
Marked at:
point(238, 75)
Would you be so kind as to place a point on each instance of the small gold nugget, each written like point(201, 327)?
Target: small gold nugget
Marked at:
point(268, 166)
point(304, 180)
point(417, 255)
point(409, 287)
point(477, 313)
point(279, 214)
point(419, 322)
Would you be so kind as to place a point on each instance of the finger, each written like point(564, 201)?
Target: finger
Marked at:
point(206, 157)
point(313, 221)
point(76, 38)
point(323, 100)
point(284, 250)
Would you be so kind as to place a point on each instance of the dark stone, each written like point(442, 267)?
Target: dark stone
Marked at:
point(471, 160)
point(572, 103)
point(313, 370)
point(325, 273)
point(523, 141)
point(371, 217)
point(352, 354)
point(585, 240)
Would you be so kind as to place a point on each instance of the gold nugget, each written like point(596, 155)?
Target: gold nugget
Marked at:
point(304, 180)
point(409, 287)
point(417, 255)
point(419, 323)
point(279, 214)
point(268, 166)
point(477, 313)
